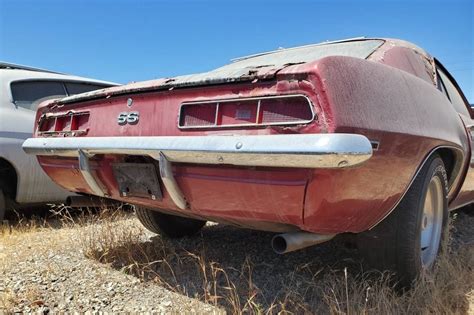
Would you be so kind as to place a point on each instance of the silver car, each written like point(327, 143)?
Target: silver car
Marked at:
point(22, 181)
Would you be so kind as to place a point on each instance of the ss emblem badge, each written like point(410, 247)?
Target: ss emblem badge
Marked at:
point(128, 118)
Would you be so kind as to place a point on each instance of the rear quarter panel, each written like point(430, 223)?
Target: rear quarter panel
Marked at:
point(408, 118)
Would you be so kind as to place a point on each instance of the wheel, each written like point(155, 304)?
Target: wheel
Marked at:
point(169, 225)
point(3, 205)
point(409, 239)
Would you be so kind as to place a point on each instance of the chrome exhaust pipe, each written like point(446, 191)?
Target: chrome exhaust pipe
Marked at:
point(90, 201)
point(288, 242)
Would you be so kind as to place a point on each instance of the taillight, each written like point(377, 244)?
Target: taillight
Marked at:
point(199, 115)
point(47, 124)
point(284, 110)
point(63, 123)
point(71, 124)
point(262, 111)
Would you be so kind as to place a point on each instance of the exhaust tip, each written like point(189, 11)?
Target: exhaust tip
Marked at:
point(288, 242)
point(279, 244)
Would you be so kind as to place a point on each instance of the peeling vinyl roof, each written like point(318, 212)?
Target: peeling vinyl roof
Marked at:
point(260, 66)
point(297, 55)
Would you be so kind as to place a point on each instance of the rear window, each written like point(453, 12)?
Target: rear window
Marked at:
point(453, 93)
point(78, 88)
point(28, 94)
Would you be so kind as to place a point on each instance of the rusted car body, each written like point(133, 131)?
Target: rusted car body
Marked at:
point(323, 138)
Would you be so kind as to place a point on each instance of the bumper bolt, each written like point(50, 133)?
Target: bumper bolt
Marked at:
point(238, 145)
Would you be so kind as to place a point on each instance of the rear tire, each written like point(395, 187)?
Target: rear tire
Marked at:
point(168, 225)
point(3, 205)
point(408, 241)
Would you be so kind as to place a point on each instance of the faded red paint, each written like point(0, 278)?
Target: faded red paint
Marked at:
point(392, 101)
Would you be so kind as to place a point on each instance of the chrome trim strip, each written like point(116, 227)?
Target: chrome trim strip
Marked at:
point(257, 119)
point(289, 150)
point(216, 117)
point(256, 124)
point(85, 169)
point(171, 186)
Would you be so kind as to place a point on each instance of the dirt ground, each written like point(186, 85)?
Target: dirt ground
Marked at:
point(111, 264)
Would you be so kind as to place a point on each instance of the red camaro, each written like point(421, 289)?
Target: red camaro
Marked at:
point(369, 136)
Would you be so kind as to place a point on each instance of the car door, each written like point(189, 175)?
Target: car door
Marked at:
point(449, 87)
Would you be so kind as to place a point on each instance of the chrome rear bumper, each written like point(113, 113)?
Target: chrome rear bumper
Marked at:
point(295, 150)
point(301, 151)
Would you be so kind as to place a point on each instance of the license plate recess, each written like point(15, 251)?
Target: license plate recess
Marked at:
point(137, 180)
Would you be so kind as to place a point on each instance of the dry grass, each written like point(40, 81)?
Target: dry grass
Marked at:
point(31, 297)
point(307, 289)
point(8, 300)
point(189, 267)
point(22, 226)
point(445, 291)
point(58, 216)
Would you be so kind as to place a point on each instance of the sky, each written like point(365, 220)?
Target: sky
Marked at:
point(126, 40)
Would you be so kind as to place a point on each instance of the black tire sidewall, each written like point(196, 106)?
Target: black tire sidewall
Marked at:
point(168, 225)
point(3, 205)
point(175, 226)
point(435, 168)
point(395, 243)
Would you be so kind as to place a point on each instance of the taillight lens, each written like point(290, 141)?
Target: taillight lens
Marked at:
point(285, 110)
point(263, 111)
point(80, 121)
point(69, 124)
point(237, 113)
point(199, 115)
point(47, 124)
point(63, 123)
